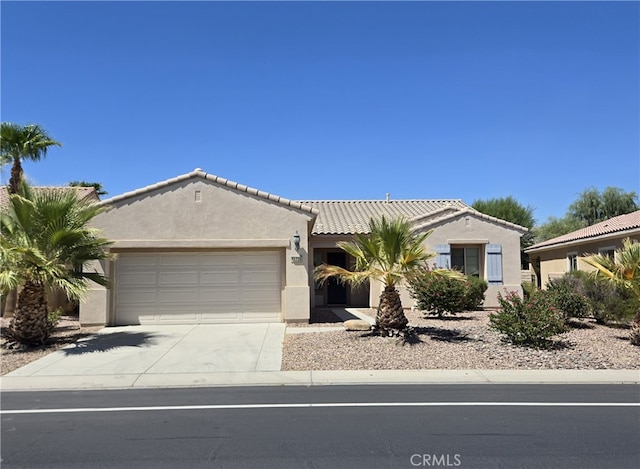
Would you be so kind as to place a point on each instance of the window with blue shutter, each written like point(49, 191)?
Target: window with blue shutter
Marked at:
point(494, 264)
point(443, 256)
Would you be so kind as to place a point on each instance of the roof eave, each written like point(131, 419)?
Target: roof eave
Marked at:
point(586, 239)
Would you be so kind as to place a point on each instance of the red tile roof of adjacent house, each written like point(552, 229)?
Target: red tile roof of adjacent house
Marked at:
point(616, 225)
point(84, 193)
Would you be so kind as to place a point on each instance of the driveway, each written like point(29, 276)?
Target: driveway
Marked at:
point(132, 351)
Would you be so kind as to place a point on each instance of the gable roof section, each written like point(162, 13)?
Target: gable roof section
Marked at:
point(345, 217)
point(199, 173)
point(620, 225)
point(83, 193)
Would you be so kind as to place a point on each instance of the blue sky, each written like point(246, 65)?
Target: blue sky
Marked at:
point(333, 100)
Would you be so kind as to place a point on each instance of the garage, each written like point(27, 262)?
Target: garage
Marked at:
point(198, 287)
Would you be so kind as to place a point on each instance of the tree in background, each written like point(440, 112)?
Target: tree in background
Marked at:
point(555, 227)
point(96, 185)
point(509, 209)
point(591, 206)
point(19, 143)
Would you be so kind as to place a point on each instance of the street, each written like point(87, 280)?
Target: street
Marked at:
point(404, 426)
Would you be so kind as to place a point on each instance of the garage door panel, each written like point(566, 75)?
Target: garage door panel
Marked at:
point(137, 279)
point(178, 278)
point(176, 261)
point(193, 288)
point(134, 297)
point(220, 278)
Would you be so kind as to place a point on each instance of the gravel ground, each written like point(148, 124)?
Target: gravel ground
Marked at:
point(67, 332)
point(460, 342)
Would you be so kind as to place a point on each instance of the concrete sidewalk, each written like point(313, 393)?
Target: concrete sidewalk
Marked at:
point(315, 378)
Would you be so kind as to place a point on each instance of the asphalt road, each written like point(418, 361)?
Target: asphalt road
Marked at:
point(466, 426)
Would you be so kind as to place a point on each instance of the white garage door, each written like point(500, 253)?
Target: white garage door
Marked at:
point(196, 288)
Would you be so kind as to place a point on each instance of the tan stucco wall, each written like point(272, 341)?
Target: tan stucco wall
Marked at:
point(203, 215)
point(463, 230)
point(470, 230)
point(554, 262)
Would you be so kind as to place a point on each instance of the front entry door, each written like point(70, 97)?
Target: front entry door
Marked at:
point(336, 292)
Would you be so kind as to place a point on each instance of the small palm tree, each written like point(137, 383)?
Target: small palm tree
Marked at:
point(17, 143)
point(45, 243)
point(623, 269)
point(390, 253)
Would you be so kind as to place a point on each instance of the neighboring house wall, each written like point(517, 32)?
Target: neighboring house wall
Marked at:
point(197, 215)
point(555, 262)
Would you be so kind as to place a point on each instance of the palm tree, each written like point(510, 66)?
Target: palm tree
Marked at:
point(45, 243)
point(390, 253)
point(623, 269)
point(17, 143)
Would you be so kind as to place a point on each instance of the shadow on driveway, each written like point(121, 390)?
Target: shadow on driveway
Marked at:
point(107, 342)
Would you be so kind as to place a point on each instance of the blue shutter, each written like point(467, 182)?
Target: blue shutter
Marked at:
point(494, 264)
point(443, 256)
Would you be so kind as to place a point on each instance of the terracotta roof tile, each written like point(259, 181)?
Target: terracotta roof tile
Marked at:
point(88, 193)
point(618, 224)
point(352, 216)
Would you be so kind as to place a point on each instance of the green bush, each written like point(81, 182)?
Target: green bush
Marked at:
point(438, 295)
point(527, 322)
point(608, 302)
point(528, 289)
point(567, 295)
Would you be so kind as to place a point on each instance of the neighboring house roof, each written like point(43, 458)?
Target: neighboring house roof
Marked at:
point(617, 226)
point(84, 193)
point(344, 217)
point(199, 173)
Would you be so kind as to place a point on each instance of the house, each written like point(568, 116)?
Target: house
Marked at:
point(55, 298)
point(199, 248)
point(553, 258)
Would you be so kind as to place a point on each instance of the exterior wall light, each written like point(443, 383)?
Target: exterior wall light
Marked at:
point(296, 241)
point(296, 257)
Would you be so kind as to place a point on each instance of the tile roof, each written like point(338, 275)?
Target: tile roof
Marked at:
point(619, 224)
point(83, 192)
point(199, 173)
point(352, 216)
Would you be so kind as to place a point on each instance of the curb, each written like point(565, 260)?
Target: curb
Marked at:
point(316, 378)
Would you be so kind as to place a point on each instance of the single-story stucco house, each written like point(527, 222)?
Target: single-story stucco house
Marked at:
point(553, 258)
point(202, 249)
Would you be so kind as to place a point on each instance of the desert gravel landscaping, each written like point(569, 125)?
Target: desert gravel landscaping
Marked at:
point(459, 342)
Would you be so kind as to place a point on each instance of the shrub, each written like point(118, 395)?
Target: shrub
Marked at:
point(567, 295)
point(438, 295)
point(608, 302)
point(527, 322)
point(528, 289)
point(476, 289)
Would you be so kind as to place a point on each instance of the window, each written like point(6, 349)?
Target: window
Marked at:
point(609, 251)
point(466, 260)
point(572, 260)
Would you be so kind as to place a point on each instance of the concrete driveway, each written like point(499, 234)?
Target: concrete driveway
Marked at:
point(160, 350)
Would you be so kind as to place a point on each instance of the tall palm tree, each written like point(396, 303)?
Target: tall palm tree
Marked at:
point(17, 143)
point(623, 269)
point(390, 253)
point(45, 243)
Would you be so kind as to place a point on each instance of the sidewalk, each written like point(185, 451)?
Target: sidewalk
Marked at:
point(316, 378)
